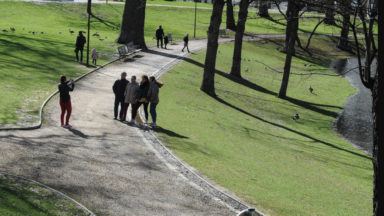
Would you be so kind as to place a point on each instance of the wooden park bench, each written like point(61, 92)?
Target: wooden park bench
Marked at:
point(222, 32)
point(125, 51)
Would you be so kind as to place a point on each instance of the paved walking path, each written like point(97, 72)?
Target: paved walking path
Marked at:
point(104, 164)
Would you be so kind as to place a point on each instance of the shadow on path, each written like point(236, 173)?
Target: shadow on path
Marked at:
point(78, 133)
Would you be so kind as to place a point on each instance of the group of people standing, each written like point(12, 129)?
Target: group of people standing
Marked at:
point(133, 94)
point(160, 37)
point(127, 94)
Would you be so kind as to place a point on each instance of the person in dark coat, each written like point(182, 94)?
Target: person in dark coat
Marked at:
point(142, 98)
point(159, 36)
point(166, 41)
point(80, 41)
point(186, 40)
point(65, 100)
point(119, 89)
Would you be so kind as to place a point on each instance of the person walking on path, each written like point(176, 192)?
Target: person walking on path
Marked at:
point(142, 98)
point(119, 90)
point(186, 40)
point(80, 41)
point(159, 36)
point(166, 41)
point(65, 100)
point(95, 56)
point(130, 98)
point(153, 96)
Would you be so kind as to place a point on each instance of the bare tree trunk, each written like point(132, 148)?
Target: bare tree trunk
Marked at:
point(230, 17)
point(263, 8)
point(132, 27)
point(345, 7)
point(236, 63)
point(208, 83)
point(291, 35)
point(378, 121)
point(329, 12)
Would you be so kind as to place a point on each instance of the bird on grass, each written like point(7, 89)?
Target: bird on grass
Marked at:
point(296, 117)
point(101, 39)
point(13, 29)
point(96, 34)
point(4, 30)
point(71, 31)
point(310, 89)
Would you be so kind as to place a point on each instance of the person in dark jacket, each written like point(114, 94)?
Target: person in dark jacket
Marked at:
point(65, 100)
point(186, 40)
point(153, 97)
point(166, 41)
point(159, 36)
point(119, 89)
point(80, 41)
point(142, 98)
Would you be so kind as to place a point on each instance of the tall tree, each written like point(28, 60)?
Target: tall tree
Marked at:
point(375, 11)
point(132, 27)
point(236, 62)
point(346, 10)
point(293, 10)
point(378, 120)
point(329, 12)
point(263, 8)
point(208, 83)
point(230, 17)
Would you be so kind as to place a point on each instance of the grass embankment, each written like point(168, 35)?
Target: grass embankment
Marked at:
point(32, 63)
point(20, 197)
point(246, 141)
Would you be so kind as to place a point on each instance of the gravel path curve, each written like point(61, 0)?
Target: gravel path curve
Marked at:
point(102, 163)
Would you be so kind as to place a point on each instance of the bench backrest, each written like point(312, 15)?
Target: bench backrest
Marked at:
point(122, 50)
point(222, 32)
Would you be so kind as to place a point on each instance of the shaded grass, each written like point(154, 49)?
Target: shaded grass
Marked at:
point(246, 141)
point(19, 197)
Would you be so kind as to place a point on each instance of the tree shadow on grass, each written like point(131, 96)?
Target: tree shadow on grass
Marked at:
point(289, 129)
point(307, 105)
point(168, 132)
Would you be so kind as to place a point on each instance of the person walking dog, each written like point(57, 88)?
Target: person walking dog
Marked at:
point(65, 100)
point(159, 36)
point(119, 90)
point(80, 41)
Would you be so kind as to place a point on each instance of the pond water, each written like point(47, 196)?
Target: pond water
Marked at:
point(355, 121)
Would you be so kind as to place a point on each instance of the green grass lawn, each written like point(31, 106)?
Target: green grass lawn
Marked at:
point(247, 142)
point(32, 63)
point(19, 197)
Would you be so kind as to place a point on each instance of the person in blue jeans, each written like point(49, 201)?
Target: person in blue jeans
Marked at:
point(153, 95)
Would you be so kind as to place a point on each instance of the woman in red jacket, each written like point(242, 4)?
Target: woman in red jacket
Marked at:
point(65, 99)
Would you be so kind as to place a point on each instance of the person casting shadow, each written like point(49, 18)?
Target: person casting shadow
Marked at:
point(119, 89)
point(80, 41)
point(142, 98)
point(65, 100)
